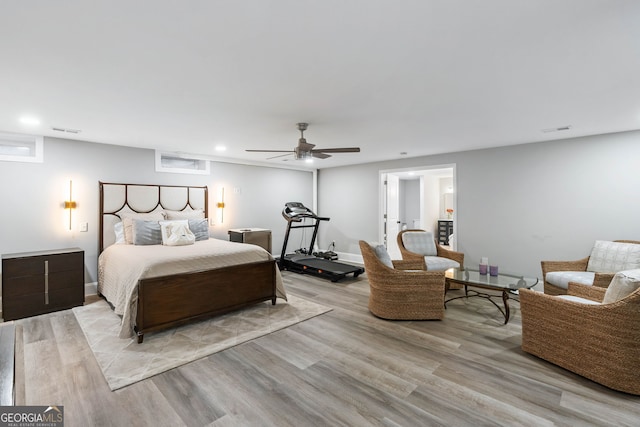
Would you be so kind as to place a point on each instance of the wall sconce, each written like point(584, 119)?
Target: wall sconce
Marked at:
point(70, 204)
point(220, 205)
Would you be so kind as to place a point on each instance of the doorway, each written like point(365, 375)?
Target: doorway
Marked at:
point(415, 198)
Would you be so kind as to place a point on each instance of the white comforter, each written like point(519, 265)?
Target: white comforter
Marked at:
point(121, 266)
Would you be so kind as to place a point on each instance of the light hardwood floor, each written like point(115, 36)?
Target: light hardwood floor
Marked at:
point(343, 368)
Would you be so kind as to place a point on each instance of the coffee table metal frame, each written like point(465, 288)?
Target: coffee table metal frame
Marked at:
point(506, 283)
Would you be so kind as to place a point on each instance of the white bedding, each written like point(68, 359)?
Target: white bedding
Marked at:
point(121, 266)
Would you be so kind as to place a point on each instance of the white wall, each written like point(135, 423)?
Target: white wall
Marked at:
point(431, 188)
point(411, 203)
point(32, 217)
point(516, 205)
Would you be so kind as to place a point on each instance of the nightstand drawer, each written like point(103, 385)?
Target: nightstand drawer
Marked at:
point(34, 304)
point(34, 265)
point(25, 285)
point(41, 282)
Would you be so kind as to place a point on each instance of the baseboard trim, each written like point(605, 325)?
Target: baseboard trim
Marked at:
point(91, 288)
point(348, 257)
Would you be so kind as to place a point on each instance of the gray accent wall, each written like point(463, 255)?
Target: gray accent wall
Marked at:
point(516, 205)
point(32, 195)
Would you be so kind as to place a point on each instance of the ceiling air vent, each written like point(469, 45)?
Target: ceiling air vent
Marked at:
point(558, 129)
point(67, 130)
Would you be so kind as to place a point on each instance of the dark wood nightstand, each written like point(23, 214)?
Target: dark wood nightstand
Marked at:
point(254, 236)
point(41, 282)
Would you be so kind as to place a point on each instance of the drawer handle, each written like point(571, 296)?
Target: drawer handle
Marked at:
point(46, 282)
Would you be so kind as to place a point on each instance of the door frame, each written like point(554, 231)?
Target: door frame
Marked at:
point(416, 169)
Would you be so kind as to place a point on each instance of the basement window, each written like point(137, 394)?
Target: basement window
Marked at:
point(181, 163)
point(16, 147)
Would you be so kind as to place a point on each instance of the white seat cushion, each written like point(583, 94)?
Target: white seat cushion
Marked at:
point(561, 279)
point(420, 242)
point(624, 283)
point(577, 299)
point(611, 257)
point(437, 263)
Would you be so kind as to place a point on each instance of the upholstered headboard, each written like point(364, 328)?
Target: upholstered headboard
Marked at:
point(116, 199)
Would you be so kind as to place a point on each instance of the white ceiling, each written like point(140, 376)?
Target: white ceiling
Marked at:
point(420, 77)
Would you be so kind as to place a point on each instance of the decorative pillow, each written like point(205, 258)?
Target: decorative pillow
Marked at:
point(624, 283)
point(146, 232)
point(199, 227)
point(118, 229)
point(179, 235)
point(164, 227)
point(186, 214)
point(127, 220)
point(611, 257)
point(420, 242)
point(383, 255)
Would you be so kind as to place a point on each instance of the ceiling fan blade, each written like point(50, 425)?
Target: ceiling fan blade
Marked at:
point(319, 155)
point(280, 155)
point(270, 151)
point(337, 150)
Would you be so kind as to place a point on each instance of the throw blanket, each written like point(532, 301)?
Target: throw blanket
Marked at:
point(121, 266)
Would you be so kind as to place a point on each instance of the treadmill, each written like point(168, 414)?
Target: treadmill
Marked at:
point(295, 213)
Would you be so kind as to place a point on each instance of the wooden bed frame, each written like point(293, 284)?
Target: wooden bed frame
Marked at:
point(167, 301)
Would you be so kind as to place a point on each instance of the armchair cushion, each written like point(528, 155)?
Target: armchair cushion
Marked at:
point(383, 255)
point(578, 299)
point(561, 279)
point(611, 257)
point(420, 242)
point(624, 283)
point(438, 263)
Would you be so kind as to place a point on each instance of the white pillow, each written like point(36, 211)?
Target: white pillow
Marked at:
point(186, 214)
point(128, 217)
point(611, 257)
point(179, 235)
point(118, 229)
point(624, 283)
point(165, 228)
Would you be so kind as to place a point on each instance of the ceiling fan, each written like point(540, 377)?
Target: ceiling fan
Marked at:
point(305, 151)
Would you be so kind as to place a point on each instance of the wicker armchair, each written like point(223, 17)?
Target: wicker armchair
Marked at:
point(404, 292)
point(599, 342)
point(440, 251)
point(600, 279)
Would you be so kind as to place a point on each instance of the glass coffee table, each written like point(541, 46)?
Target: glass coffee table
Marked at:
point(505, 283)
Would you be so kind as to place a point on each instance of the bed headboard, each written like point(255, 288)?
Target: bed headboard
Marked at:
point(116, 199)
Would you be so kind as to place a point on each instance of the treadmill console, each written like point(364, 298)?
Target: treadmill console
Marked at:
point(295, 211)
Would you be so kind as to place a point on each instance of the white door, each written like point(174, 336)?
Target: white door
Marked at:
point(392, 215)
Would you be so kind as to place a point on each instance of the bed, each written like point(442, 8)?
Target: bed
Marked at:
point(154, 286)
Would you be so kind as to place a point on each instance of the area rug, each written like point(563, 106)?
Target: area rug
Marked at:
point(124, 361)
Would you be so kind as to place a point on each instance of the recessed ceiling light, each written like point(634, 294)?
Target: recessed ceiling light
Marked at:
point(29, 120)
point(221, 148)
